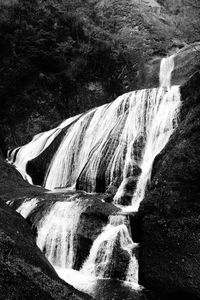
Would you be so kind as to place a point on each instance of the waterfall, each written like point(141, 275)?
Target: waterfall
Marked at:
point(110, 143)
point(57, 232)
point(114, 241)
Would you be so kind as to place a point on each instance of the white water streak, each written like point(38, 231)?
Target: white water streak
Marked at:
point(120, 123)
point(160, 128)
point(57, 232)
point(27, 207)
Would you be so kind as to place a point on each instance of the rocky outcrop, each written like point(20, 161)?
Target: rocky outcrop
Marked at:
point(168, 218)
point(25, 273)
point(186, 63)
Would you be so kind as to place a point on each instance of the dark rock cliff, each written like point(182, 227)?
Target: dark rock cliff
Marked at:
point(168, 218)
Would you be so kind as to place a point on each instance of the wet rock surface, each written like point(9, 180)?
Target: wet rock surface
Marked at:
point(168, 219)
point(118, 264)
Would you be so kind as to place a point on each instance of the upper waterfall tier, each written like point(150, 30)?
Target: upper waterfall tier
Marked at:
point(102, 146)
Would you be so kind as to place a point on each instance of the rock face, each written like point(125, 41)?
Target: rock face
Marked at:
point(25, 273)
point(168, 218)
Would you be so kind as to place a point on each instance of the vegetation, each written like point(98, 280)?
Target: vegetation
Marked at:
point(59, 58)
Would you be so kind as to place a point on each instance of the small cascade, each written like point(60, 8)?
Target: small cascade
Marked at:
point(112, 252)
point(166, 68)
point(57, 232)
point(27, 207)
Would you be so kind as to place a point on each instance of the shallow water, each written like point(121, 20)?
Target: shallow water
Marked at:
point(104, 289)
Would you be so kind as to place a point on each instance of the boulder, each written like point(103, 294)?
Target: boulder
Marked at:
point(12, 184)
point(118, 263)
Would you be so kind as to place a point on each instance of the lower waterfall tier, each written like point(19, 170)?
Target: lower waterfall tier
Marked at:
point(78, 231)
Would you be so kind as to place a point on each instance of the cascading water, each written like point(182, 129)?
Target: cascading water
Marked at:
point(114, 241)
point(57, 232)
point(100, 141)
point(27, 207)
point(162, 127)
point(161, 119)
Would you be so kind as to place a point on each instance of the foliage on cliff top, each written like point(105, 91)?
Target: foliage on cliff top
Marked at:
point(59, 58)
